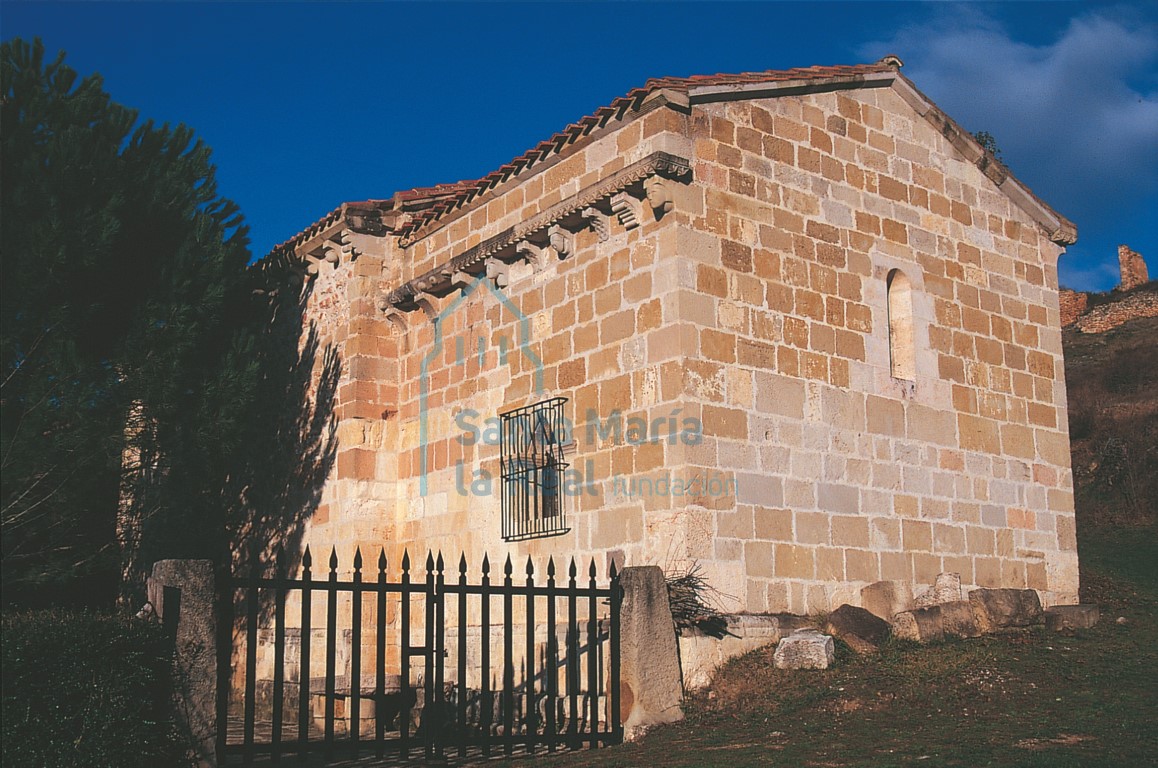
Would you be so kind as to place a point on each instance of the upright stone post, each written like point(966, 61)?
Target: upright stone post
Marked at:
point(182, 593)
point(650, 690)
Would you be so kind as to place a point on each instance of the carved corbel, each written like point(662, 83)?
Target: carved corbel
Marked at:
point(598, 221)
point(626, 208)
point(499, 272)
point(560, 240)
point(460, 280)
point(345, 246)
point(396, 319)
point(427, 304)
point(533, 254)
point(313, 265)
point(658, 195)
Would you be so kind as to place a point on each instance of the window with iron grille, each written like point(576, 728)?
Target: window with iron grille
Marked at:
point(532, 465)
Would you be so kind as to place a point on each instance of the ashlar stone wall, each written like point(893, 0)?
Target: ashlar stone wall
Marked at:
point(847, 475)
point(752, 300)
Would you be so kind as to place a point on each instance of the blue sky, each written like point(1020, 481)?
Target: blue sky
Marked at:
point(307, 105)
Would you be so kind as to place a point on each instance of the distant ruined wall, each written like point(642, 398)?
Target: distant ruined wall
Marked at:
point(1133, 268)
point(1106, 316)
point(1073, 305)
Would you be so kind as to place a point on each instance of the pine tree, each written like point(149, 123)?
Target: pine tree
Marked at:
point(126, 343)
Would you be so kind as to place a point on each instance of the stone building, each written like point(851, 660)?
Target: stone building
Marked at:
point(795, 326)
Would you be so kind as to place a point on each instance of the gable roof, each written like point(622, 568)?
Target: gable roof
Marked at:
point(426, 205)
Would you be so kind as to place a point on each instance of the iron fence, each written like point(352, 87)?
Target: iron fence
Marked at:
point(383, 692)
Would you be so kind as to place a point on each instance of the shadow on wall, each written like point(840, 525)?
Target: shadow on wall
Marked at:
point(255, 477)
point(291, 445)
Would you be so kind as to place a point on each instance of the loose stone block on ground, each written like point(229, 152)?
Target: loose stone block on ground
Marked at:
point(804, 649)
point(1060, 617)
point(921, 625)
point(1006, 608)
point(860, 629)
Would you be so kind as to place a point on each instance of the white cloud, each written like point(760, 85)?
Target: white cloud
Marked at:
point(1071, 116)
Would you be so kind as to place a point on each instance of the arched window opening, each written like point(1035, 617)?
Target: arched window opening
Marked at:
point(902, 350)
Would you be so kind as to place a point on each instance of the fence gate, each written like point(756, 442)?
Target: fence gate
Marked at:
point(331, 667)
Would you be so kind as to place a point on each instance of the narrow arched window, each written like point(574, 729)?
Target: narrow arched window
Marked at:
point(902, 351)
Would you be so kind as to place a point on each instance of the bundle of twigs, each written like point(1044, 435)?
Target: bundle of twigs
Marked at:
point(693, 602)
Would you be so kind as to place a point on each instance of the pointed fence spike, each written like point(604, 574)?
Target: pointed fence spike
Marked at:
point(592, 569)
point(429, 560)
point(551, 566)
point(357, 558)
point(508, 569)
point(613, 571)
point(307, 558)
point(486, 564)
point(440, 562)
point(462, 563)
point(406, 560)
point(530, 566)
point(382, 559)
point(334, 559)
point(573, 570)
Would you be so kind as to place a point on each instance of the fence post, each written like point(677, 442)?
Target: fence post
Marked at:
point(650, 690)
point(191, 619)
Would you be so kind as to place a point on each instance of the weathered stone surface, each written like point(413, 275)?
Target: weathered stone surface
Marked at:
point(1133, 268)
point(959, 619)
point(1002, 608)
point(885, 599)
point(1061, 617)
point(921, 625)
point(701, 654)
point(650, 673)
point(804, 649)
point(1072, 304)
point(946, 589)
point(182, 592)
point(860, 629)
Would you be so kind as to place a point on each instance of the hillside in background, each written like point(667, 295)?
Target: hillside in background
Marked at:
point(1112, 380)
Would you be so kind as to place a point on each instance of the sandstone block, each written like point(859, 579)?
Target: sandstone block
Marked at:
point(650, 687)
point(1002, 608)
point(946, 589)
point(1061, 617)
point(885, 599)
point(921, 625)
point(959, 619)
point(864, 632)
point(804, 649)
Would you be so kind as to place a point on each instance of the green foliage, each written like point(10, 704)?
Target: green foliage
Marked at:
point(125, 301)
point(986, 140)
point(83, 689)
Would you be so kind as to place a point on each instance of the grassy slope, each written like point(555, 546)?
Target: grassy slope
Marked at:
point(1027, 699)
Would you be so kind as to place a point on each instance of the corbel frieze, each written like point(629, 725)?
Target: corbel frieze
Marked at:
point(535, 255)
point(627, 209)
point(499, 272)
point(332, 248)
point(561, 241)
point(552, 227)
point(599, 223)
point(658, 194)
